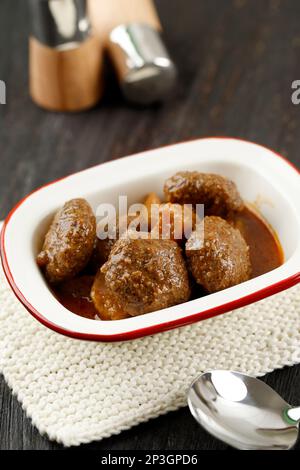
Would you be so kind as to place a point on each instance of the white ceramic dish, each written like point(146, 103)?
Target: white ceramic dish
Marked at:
point(262, 177)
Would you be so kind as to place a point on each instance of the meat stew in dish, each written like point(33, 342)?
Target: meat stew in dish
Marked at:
point(133, 273)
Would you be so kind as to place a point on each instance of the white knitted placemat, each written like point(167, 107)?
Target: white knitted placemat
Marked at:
point(77, 391)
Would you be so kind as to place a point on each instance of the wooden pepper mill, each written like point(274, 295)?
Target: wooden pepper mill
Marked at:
point(65, 59)
point(131, 32)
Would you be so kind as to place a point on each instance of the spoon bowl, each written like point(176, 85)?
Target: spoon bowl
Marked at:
point(243, 411)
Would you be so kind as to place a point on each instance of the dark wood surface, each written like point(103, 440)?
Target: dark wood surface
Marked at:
point(237, 60)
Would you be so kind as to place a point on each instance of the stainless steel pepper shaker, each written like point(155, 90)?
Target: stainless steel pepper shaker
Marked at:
point(145, 70)
point(132, 34)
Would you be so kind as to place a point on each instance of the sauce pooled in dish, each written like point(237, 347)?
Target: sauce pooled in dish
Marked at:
point(132, 275)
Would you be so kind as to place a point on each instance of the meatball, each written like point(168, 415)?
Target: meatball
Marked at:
point(69, 241)
point(219, 195)
point(141, 275)
point(222, 259)
point(103, 247)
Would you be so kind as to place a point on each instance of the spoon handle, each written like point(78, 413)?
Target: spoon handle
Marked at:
point(293, 414)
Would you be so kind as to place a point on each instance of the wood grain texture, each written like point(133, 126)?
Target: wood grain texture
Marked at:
point(237, 60)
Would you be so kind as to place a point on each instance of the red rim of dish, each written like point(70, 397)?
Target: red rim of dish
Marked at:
point(150, 330)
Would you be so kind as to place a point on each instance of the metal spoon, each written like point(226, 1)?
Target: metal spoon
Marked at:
point(243, 411)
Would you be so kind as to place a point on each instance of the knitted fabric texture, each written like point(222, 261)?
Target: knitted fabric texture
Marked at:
point(76, 391)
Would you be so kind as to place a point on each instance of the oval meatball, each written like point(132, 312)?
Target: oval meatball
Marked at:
point(219, 195)
point(141, 275)
point(103, 247)
point(218, 258)
point(69, 241)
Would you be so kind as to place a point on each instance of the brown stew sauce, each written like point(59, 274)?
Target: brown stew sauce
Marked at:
point(265, 254)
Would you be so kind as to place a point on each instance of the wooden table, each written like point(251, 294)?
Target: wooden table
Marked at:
point(237, 60)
